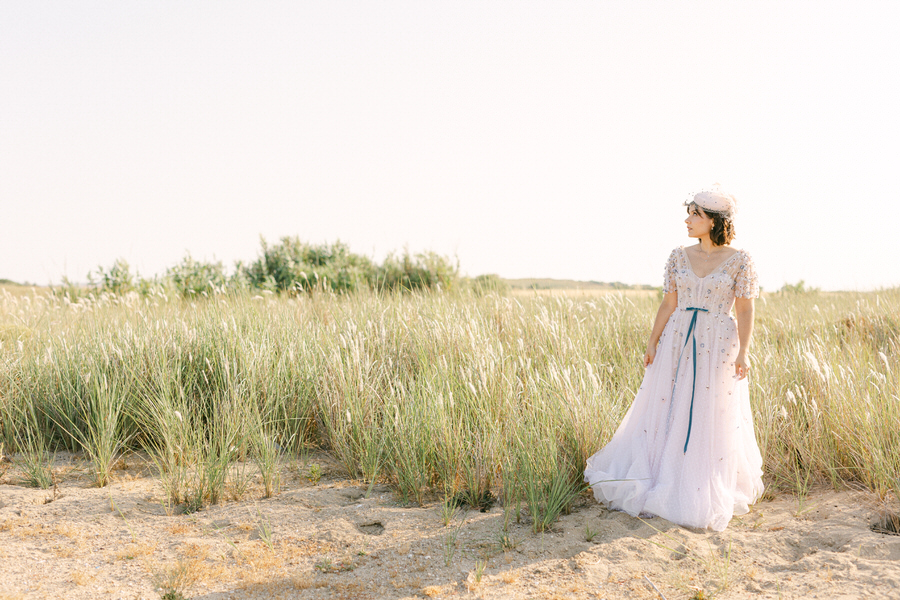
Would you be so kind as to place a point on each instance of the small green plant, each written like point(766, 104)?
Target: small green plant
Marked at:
point(590, 534)
point(480, 565)
point(314, 473)
point(449, 541)
point(265, 530)
point(192, 504)
point(449, 508)
point(507, 542)
point(327, 565)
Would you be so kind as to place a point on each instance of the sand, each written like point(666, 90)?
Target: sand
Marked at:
point(329, 540)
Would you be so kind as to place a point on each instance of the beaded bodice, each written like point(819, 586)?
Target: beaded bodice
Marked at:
point(734, 278)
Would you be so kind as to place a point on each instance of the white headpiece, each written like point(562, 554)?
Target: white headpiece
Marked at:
point(715, 200)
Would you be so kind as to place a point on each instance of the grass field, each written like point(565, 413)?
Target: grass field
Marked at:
point(470, 397)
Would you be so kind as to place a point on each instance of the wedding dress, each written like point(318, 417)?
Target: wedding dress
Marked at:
point(686, 450)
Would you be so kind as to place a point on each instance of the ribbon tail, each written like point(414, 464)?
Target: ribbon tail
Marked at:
point(693, 389)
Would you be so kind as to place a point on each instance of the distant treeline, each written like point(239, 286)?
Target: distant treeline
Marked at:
point(292, 266)
point(289, 266)
point(568, 284)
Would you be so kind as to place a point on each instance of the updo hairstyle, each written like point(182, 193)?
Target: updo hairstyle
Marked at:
point(722, 232)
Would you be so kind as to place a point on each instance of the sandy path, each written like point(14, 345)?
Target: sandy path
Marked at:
point(329, 541)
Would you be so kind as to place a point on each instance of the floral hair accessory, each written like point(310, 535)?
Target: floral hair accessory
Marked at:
point(714, 200)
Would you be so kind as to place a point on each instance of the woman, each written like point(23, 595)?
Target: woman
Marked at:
point(686, 450)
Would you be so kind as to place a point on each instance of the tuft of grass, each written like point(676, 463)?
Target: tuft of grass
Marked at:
point(92, 413)
point(327, 565)
point(507, 542)
point(173, 580)
point(264, 528)
point(548, 485)
point(449, 508)
point(480, 566)
point(449, 541)
point(34, 460)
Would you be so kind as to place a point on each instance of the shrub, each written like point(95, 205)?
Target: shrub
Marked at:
point(298, 266)
point(797, 288)
point(426, 270)
point(491, 283)
point(118, 279)
point(192, 277)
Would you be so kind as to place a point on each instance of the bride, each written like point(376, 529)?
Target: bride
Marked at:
point(686, 450)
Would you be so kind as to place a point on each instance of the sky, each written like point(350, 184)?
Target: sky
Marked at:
point(529, 139)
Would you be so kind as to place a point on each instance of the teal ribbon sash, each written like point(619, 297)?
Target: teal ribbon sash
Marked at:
point(691, 336)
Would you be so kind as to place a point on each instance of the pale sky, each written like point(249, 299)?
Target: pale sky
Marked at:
point(530, 139)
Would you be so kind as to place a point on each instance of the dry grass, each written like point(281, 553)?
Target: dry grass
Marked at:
point(177, 577)
point(434, 591)
point(133, 551)
point(183, 528)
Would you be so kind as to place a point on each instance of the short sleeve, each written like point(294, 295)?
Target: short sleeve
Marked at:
point(746, 282)
point(670, 273)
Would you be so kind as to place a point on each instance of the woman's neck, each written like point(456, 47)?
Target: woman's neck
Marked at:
point(707, 245)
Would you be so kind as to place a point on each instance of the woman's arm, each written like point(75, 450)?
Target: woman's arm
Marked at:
point(743, 311)
point(666, 308)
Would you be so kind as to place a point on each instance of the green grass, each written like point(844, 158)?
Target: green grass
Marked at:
point(458, 394)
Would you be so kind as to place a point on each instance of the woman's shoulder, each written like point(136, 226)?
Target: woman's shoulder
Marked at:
point(744, 253)
point(675, 257)
point(742, 261)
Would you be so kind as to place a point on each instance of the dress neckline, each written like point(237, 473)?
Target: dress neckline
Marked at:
point(717, 268)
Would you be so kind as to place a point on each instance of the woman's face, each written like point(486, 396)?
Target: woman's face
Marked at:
point(698, 224)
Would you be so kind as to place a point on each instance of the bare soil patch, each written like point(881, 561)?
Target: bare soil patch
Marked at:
point(330, 539)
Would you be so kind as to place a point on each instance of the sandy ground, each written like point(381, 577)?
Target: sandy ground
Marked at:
point(328, 540)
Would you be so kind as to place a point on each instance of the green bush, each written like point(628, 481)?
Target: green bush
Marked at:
point(426, 270)
point(118, 279)
point(292, 265)
point(192, 277)
point(489, 284)
point(798, 288)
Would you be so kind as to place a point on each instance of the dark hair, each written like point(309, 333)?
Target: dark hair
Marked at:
point(722, 232)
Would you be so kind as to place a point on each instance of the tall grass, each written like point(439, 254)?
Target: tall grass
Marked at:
point(460, 394)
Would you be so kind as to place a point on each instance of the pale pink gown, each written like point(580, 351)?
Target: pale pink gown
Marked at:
point(652, 466)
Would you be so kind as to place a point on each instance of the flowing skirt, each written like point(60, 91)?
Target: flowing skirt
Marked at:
point(645, 468)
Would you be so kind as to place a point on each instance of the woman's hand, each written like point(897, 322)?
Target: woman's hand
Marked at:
point(666, 308)
point(649, 356)
point(741, 366)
